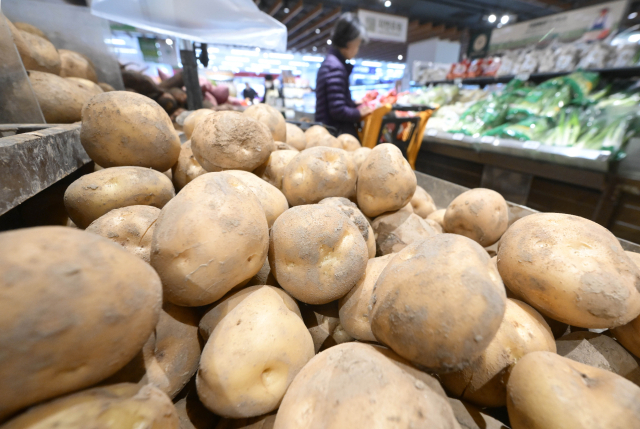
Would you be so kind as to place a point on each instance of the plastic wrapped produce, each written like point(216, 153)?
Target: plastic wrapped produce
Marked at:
point(596, 57)
point(567, 58)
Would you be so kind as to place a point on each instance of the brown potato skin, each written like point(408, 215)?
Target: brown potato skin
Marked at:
point(210, 238)
point(319, 173)
point(30, 29)
point(359, 155)
point(42, 57)
point(231, 141)
point(94, 195)
point(271, 199)
point(74, 64)
point(543, 383)
point(395, 231)
point(352, 211)
point(324, 140)
point(272, 170)
point(221, 308)
point(187, 168)
point(60, 99)
point(386, 182)
point(270, 117)
point(334, 258)
point(349, 142)
point(354, 306)
point(479, 214)
point(106, 87)
point(57, 326)
point(354, 385)
point(121, 406)
point(484, 382)
point(404, 292)
point(194, 119)
point(169, 358)
point(93, 88)
point(296, 137)
point(130, 227)
point(122, 128)
point(570, 269)
point(422, 203)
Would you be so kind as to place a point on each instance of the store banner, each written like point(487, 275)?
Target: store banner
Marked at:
point(382, 26)
point(586, 24)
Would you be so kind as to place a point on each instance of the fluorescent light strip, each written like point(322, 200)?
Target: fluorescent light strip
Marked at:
point(231, 64)
point(282, 56)
point(396, 66)
point(274, 62)
point(298, 64)
point(274, 71)
point(115, 42)
point(371, 64)
point(238, 59)
point(313, 59)
point(245, 53)
point(213, 50)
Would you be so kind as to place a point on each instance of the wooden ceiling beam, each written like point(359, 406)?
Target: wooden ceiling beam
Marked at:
point(318, 42)
point(305, 19)
point(326, 32)
point(276, 7)
point(322, 22)
point(436, 31)
point(293, 12)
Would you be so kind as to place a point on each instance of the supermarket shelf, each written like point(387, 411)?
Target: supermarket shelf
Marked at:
point(626, 72)
point(595, 160)
point(34, 157)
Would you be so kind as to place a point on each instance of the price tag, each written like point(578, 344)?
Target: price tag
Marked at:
point(487, 139)
point(523, 77)
point(432, 133)
point(458, 136)
point(531, 145)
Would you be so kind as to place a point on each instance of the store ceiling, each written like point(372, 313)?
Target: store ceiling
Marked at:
point(310, 21)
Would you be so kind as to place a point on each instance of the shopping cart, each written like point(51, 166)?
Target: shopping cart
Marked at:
point(402, 126)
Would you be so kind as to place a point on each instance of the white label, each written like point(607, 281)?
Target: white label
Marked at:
point(531, 145)
point(458, 136)
point(382, 26)
point(487, 139)
point(432, 132)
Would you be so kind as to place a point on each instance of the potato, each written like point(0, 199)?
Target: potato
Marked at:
point(469, 417)
point(418, 316)
point(438, 216)
point(323, 322)
point(194, 119)
point(333, 260)
point(629, 336)
point(354, 306)
point(284, 146)
point(271, 199)
point(601, 352)
point(94, 195)
point(570, 269)
point(435, 225)
point(352, 212)
point(635, 257)
point(422, 203)
point(386, 182)
point(395, 231)
point(252, 356)
point(296, 137)
point(121, 406)
point(270, 117)
point(106, 87)
point(210, 238)
point(355, 386)
point(484, 382)
point(261, 422)
point(170, 356)
point(131, 227)
point(359, 155)
point(30, 29)
point(549, 391)
point(60, 99)
point(42, 56)
point(77, 65)
point(21, 44)
point(319, 173)
point(187, 168)
point(66, 298)
point(273, 169)
point(480, 214)
point(324, 140)
point(231, 141)
point(264, 277)
point(121, 128)
point(93, 88)
point(191, 412)
point(224, 306)
point(349, 142)
point(315, 131)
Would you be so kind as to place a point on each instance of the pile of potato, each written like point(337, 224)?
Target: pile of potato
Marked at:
point(63, 81)
point(290, 279)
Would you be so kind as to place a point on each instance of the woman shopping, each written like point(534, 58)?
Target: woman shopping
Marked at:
point(334, 106)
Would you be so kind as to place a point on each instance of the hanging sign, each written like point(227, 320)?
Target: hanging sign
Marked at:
point(586, 24)
point(382, 26)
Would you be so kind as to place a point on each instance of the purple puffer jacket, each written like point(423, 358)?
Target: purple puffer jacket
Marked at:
point(334, 106)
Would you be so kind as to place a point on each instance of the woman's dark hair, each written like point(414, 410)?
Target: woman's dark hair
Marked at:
point(347, 29)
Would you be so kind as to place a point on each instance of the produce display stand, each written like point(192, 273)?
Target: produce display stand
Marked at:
point(38, 163)
point(589, 183)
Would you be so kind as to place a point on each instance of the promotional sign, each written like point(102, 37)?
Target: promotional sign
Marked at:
point(586, 24)
point(479, 45)
point(381, 26)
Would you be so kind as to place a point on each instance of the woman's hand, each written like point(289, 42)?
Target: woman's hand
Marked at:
point(365, 110)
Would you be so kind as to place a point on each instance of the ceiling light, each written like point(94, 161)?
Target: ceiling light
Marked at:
point(633, 15)
point(317, 31)
point(315, 49)
point(504, 19)
point(257, 49)
point(371, 64)
point(387, 4)
point(329, 42)
point(313, 59)
point(169, 42)
point(400, 57)
point(634, 38)
point(286, 10)
point(492, 18)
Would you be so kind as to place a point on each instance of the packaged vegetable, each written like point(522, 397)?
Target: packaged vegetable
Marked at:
point(567, 58)
point(532, 128)
point(582, 83)
point(597, 56)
